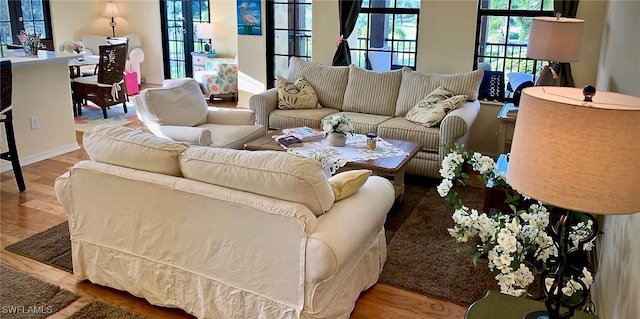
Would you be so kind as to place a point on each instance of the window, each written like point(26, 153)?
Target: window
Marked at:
point(386, 34)
point(289, 34)
point(28, 15)
point(502, 35)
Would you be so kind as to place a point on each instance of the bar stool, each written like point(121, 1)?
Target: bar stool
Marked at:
point(6, 118)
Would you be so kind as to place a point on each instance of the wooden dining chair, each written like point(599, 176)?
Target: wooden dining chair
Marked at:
point(6, 91)
point(107, 88)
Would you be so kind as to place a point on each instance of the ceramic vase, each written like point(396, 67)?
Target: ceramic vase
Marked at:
point(336, 139)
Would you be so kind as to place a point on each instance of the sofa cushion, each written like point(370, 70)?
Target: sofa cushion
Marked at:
point(347, 183)
point(399, 128)
point(431, 110)
point(416, 85)
point(372, 92)
point(363, 123)
point(274, 174)
point(297, 95)
point(123, 146)
point(329, 81)
point(179, 104)
point(297, 118)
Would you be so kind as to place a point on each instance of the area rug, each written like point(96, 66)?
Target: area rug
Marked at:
point(92, 116)
point(51, 247)
point(23, 296)
point(99, 310)
point(421, 254)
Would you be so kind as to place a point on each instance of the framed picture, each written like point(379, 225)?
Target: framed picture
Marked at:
point(249, 17)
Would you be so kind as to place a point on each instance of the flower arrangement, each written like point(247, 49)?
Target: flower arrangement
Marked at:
point(71, 46)
point(515, 243)
point(337, 124)
point(30, 42)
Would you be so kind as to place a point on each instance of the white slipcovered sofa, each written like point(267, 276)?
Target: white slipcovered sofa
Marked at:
point(378, 102)
point(135, 56)
point(221, 233)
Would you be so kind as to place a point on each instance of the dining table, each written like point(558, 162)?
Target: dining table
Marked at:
point(76, 64)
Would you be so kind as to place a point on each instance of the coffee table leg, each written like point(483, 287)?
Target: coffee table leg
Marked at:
point(398, 184)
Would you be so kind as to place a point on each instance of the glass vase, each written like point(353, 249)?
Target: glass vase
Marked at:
point(30, 50)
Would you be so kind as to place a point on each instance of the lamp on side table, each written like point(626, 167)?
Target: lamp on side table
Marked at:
point(579, 156)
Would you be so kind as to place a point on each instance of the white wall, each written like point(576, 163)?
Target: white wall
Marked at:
point(617, 285)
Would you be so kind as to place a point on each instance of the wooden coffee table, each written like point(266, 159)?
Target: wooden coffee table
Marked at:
point(392, 166)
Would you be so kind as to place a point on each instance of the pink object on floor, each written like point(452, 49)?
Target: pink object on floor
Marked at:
point(131, 80)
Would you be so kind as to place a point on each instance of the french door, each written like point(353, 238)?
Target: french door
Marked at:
point(179, 22)
point(33, 16)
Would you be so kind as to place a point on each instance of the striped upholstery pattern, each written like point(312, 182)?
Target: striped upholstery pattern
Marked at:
point(398, 128)
point(300, 117)
point(328, 81)
point(416, 85)
point(372, 92)
point(364, 123)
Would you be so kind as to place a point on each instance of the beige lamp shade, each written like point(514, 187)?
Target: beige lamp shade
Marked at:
point(206, 31)
point(110, 10)
point(581, 156)
point(555, 39)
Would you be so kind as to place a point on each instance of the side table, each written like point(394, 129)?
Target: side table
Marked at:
point(199, 60)
point(496, 305)
point(507, 125)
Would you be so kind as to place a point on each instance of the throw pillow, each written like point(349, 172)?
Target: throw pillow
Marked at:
point(346, 183)
point(431, 110)
point(297, 95)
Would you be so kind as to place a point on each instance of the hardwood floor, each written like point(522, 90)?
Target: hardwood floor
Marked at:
point(37, 209)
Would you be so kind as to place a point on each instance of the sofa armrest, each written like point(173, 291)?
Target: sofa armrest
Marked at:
point(456, 125)
point(262, 104)
point(136, 55)
point(341, 233)
point(190, 135)
point(221, 115)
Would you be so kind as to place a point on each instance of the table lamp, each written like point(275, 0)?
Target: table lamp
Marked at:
point(111, 11)
point(206, 31)
point(578, 151)
point(554, 39)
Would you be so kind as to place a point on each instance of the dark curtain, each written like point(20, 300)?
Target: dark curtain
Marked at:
point(348, 10)
point(568, 9)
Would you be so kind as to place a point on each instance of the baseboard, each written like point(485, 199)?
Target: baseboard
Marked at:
point(6, 165)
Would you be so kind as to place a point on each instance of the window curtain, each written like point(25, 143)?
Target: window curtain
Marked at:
point(568, 9)
point(348, 10)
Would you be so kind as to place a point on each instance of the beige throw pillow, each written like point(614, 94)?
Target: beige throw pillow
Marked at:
point(431, 110)
point(297, 95)
point(346, 183)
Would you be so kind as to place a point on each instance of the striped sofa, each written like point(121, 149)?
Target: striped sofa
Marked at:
point(378, 102)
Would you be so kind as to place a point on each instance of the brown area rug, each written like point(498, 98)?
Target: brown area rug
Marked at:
point(23, 296)
point(422, 255)
point(51, 247)
point(99, 310)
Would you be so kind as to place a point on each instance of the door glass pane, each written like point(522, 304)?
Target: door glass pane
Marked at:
point(281, 15)
point(26, 10)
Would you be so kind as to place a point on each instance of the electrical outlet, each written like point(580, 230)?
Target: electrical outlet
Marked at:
point(35, 123)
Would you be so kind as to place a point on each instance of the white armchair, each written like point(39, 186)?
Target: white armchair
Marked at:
point(180, 112)
point(135, 56)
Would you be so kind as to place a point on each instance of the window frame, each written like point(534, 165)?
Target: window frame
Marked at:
point(508, 14)
point(271, 32)
point(393, 11)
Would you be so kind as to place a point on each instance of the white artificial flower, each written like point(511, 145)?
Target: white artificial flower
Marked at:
point(507, 240)
point(444, 187)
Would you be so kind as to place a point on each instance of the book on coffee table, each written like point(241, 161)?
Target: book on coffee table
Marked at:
point(304, 133)
point(290, 141)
